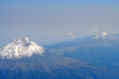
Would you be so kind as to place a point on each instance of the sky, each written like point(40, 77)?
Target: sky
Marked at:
point(50, 21)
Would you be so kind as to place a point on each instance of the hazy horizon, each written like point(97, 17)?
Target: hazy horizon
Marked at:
point(51, 21)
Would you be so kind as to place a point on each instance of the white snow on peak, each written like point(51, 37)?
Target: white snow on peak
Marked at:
point(103, 36)
point(19, 48)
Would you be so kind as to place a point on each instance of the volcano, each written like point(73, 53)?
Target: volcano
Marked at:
point(24, 59)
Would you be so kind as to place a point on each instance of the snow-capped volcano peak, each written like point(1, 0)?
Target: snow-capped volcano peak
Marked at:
point(21, 47)
point(103, 36)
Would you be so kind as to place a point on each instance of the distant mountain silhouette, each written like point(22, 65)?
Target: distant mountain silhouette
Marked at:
point(101, 50)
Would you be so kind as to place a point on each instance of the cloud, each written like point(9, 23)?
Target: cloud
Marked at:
point(72, 35)
point(94, 30)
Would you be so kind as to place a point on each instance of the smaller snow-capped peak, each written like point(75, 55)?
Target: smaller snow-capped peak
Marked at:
point(103, 36)
point(21, 47)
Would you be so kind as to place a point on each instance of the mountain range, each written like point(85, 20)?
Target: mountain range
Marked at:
point(92, 57)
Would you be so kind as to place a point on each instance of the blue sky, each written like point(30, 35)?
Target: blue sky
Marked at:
point(49, 21)
point(43, 2)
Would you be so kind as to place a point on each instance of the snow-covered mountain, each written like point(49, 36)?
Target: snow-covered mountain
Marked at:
point(100, 50)
point(24, 59)
point(83, 58)
point(103, 36)
point(21, 47)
